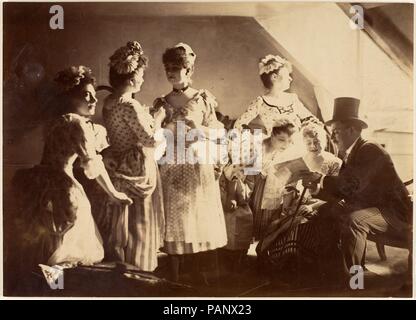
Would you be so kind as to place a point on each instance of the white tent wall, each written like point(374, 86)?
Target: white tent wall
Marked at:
point(346, 62)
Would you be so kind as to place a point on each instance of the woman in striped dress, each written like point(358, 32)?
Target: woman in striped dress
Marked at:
point(136, 232)
point(297, 242)
point(267, 193)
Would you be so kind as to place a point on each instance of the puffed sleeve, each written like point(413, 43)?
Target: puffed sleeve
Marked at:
point(301, 111)
point(84, 136)
point(252, 112)
point(101, 138)
point(141, 122)
point(210, 118)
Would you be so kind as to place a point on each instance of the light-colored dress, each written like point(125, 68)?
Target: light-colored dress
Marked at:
point(136, 230)
point(92, 188)
point(55, 216)
point(325, 163)
point(261, 114)
point(266, 114)
point(194, 215)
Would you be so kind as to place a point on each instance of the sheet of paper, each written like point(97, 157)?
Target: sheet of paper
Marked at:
point(288, 170)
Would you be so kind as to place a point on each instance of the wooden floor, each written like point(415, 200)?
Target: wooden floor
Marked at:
point(384, 279)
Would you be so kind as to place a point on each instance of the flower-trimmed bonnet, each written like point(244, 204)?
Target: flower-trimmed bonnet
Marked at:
point(273, 62)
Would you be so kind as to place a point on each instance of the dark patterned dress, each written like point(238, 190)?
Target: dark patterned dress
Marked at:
point(134, 233)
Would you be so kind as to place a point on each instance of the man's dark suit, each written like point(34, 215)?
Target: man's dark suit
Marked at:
point(373, 194)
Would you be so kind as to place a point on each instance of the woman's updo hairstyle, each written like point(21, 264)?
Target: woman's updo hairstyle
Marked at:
point(70, 81)
point(284, 125)
point(270, 65)
point(125, 62)
point(180, 55)
point(74, 78)
point(314, 130)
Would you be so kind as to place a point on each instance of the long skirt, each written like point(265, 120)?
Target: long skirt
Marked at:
point(262, 218)
point(133, 234)
point(290, 238)
point(54, 219)
point(304, 242)
point(194, 215)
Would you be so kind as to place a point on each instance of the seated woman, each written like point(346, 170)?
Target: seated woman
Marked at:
point(298, 232)
point(316, 158)
point(54, 224)
point(266, 196)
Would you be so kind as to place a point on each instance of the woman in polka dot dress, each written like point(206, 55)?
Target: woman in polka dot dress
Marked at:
point(194, 215)
point(136, 232)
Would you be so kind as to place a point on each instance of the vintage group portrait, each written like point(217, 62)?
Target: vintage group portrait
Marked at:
point(207, 149)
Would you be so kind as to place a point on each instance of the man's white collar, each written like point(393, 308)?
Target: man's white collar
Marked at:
point(347, 153)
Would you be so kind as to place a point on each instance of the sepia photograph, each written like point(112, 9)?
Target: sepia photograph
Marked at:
point(252, 149)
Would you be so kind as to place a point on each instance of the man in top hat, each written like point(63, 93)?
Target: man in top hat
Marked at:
point(372, 196)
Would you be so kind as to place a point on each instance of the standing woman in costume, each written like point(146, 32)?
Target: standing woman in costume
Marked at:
point(271, 108)
point(135, 233)
point(275, 103)
point(194, 216)
point(54, 214)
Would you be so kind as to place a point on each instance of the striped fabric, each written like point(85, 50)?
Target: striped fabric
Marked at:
point(135, 234)
point(261, 217)
point(300, 242)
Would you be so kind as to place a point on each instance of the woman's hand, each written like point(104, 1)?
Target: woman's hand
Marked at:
point(190, 123)
point(160, 115)
point(121, 198)
point(307, 211)
point(230, 205)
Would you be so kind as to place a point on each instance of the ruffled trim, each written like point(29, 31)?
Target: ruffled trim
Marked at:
point(208, 98)
point(93, 167)
point(206, 95)
point(101, 137)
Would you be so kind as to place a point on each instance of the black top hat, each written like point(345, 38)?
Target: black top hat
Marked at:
point(346, 108)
